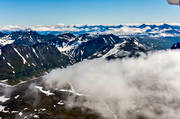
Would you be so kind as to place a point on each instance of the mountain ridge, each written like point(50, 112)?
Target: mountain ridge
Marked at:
point(153, 30)
point(27, 55)
point(30, 51)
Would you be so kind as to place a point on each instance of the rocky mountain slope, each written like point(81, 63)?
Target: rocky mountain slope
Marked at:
point(31, 100)
point(24, 53)
point(19, 60)
point(176, 46)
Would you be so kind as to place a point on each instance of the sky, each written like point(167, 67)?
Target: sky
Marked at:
point(50, 12)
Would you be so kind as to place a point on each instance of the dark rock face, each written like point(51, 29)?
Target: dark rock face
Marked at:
point(88, 47)
point(54, 40)
point(26, 37)
point(129, 48)
point(66, 36)
point(19, 60)
point(31, 52)
point(2, 34)
point(176, 46)
point(31, 38)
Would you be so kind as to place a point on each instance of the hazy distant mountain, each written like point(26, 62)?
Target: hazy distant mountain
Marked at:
point(154, 30)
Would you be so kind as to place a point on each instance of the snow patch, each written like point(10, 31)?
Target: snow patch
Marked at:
point(33, 64)
point(27, 56)
point(60, 103)
point(66, 48)
point(20, 114)
point(16, 97)
point(70, 91)
point(2, 108)
point(6, 40)
point(35, 52)
point(36, 116)
point(48, 93)
point(114, 50)
point(3, 99)
point(10, 65)
point(24, 60)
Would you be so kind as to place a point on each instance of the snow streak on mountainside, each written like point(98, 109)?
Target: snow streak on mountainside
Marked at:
point(5, 40)
point(154, 30)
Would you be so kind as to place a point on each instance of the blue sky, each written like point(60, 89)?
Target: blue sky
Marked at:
point(47, 12)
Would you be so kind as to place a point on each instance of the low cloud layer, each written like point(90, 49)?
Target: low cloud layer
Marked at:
point(143, 88)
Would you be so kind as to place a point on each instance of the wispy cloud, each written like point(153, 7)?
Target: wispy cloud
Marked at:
point(131, 88)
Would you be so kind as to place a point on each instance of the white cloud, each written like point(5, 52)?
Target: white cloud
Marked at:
point(147, 86)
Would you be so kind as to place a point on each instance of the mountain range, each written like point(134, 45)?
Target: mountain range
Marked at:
point(150, 30)
point(26, 52)
point(26, 55)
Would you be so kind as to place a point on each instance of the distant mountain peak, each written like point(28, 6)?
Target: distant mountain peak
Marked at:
point(152, 30)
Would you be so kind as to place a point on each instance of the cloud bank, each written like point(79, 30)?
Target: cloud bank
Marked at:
point(137, 88)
